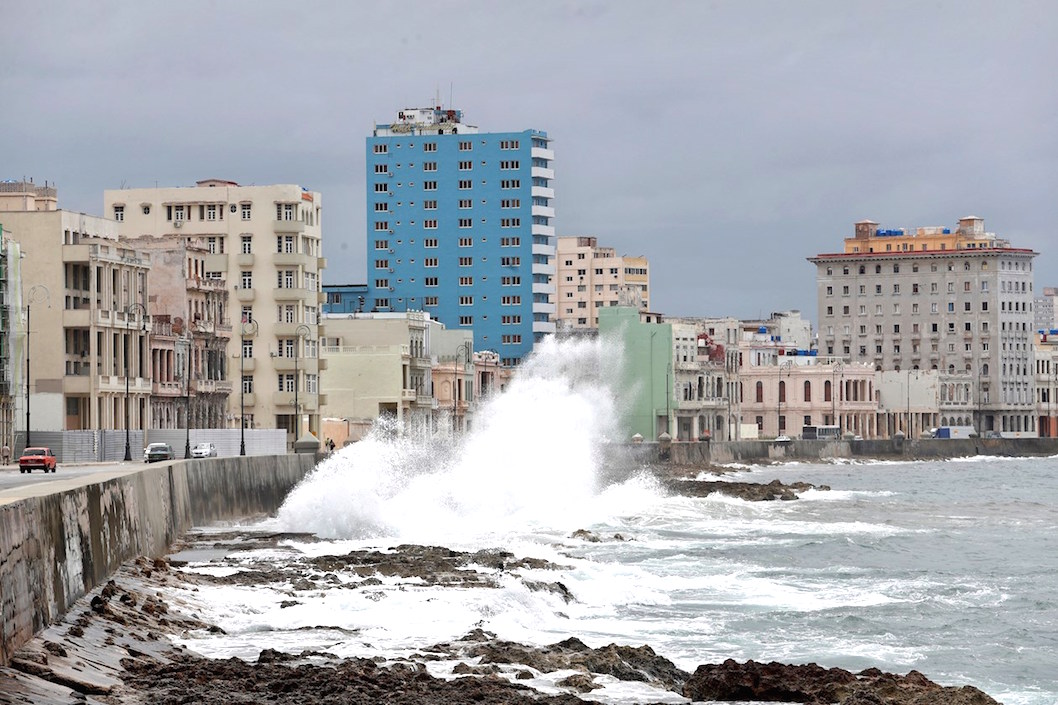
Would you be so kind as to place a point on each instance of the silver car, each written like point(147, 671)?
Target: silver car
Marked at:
point(204, 450)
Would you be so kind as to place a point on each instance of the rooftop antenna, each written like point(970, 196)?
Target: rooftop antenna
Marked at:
point(451, 104)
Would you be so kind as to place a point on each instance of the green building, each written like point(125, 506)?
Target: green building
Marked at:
point(649, 404)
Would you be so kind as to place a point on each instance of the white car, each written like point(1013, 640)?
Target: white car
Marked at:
point(204, 450)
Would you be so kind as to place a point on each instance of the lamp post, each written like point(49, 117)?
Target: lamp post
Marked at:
point(35, 290)
point(300, 332)
point(128, 349)
point(463, 353)
point(839, 366)
point(249, 328)
point(187, 402)
point(779, 395)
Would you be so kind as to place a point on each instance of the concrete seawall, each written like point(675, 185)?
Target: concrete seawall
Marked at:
point(760, 451)
point(61, 539)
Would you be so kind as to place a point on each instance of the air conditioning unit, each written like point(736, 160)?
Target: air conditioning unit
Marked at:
point(178, 223)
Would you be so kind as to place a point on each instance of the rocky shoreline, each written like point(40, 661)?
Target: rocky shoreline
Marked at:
point(114, 646)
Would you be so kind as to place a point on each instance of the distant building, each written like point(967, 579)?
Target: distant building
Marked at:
point(1045, 308)
point(1046, 352)
point(345, 298)
point(589, 277)
point(459, 224)
point(265, 244)
point(379, 365)
point(955, 301)
point(647, 344)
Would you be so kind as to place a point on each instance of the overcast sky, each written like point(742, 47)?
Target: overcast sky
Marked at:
point(726, 141)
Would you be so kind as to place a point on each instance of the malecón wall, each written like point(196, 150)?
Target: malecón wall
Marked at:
point(61, 539)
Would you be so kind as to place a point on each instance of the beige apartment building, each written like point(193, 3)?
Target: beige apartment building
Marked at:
point(264, 243)
point(379, 365)
point(84, 302)
point(958, 301)
point(590, 277)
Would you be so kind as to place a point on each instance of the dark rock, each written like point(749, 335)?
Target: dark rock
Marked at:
point(54, 648)
point(749, 491)
point(585, 535)
point(580, 682)
point(813, 684)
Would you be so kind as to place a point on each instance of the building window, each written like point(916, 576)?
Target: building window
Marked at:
point(381, 168)
point(760, 393)
point(381, 188)
point(429, 262)
point(247, 244)
point(465, 184)
point(429, 224)
point(510, 261)
point(381, 149)
point(429, 242)
point(381, 263)
point(429, 205)
point(466, 261)
point(429, 146)
point(466, 146)
point(466, 281)
point(429, 301)
point(466, 242)
point(247, 380)
point(466, 320)
point(246, 279)
point(508, 144)
point(429, 185)
point(285, 244)
point(509, 165)
point(429, 166)
point(466, 165)
point(466, 300)
point(430, 281)
point(508, 184)
point(119, 213)
point(146, 210)
point(246, 211)
point(465, 222)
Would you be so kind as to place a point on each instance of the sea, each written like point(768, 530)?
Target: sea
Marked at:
point(949, 567)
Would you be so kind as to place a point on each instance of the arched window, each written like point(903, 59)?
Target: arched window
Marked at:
point(760, 392)
point(828, 391)
point(808, 390)
point(782, 390)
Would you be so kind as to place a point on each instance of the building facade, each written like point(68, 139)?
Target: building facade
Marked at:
point(955, 301)
point(190, 334)
point(84, 307)
point(10, 358)
point(589, 277)
point(379, 366)
point(459, 224)
point(265, 243)
point(1044, 309)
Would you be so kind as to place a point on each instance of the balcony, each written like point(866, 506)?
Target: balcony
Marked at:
point(244, 295)
point(543, 192)
point(321, 263)
point(294, 294)
point(293, 259)
point(244, 259)
point(167, 389)
point(541, 153)
point(207, 285)
point(247, 364)
point(76, 318)
point(212, 386)
point(308, 402)
point(543, 326)
point(248, 399)
point(539, 172)
point(546, 211)
point(407, 395)
point(289, 226)
point(545, 250)
point(216, 263)
point(285, 364)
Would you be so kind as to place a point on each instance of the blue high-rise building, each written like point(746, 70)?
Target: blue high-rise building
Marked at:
point(459, 224)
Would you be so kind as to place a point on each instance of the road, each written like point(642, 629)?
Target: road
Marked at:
point(11, 478)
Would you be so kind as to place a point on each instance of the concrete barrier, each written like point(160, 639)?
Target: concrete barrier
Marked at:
point(61, 539)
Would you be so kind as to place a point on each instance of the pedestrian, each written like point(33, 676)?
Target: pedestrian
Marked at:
point(5, 454)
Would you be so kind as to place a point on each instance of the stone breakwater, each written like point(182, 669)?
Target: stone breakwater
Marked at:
point(113, 646)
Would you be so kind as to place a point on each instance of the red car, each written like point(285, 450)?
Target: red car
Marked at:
point(38, 457)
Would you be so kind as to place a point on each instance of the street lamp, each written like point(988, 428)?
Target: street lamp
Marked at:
point(249, 328)
point(187, 402)
point(837, 367)
point(463, 352)
point(301, 331)
point(780, 390)
point(33, 292)
point(128, 348)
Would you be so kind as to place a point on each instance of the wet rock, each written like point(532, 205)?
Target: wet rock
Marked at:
point(749, 491)
point(585, 535)
point(815, 685)
point(580, 682)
